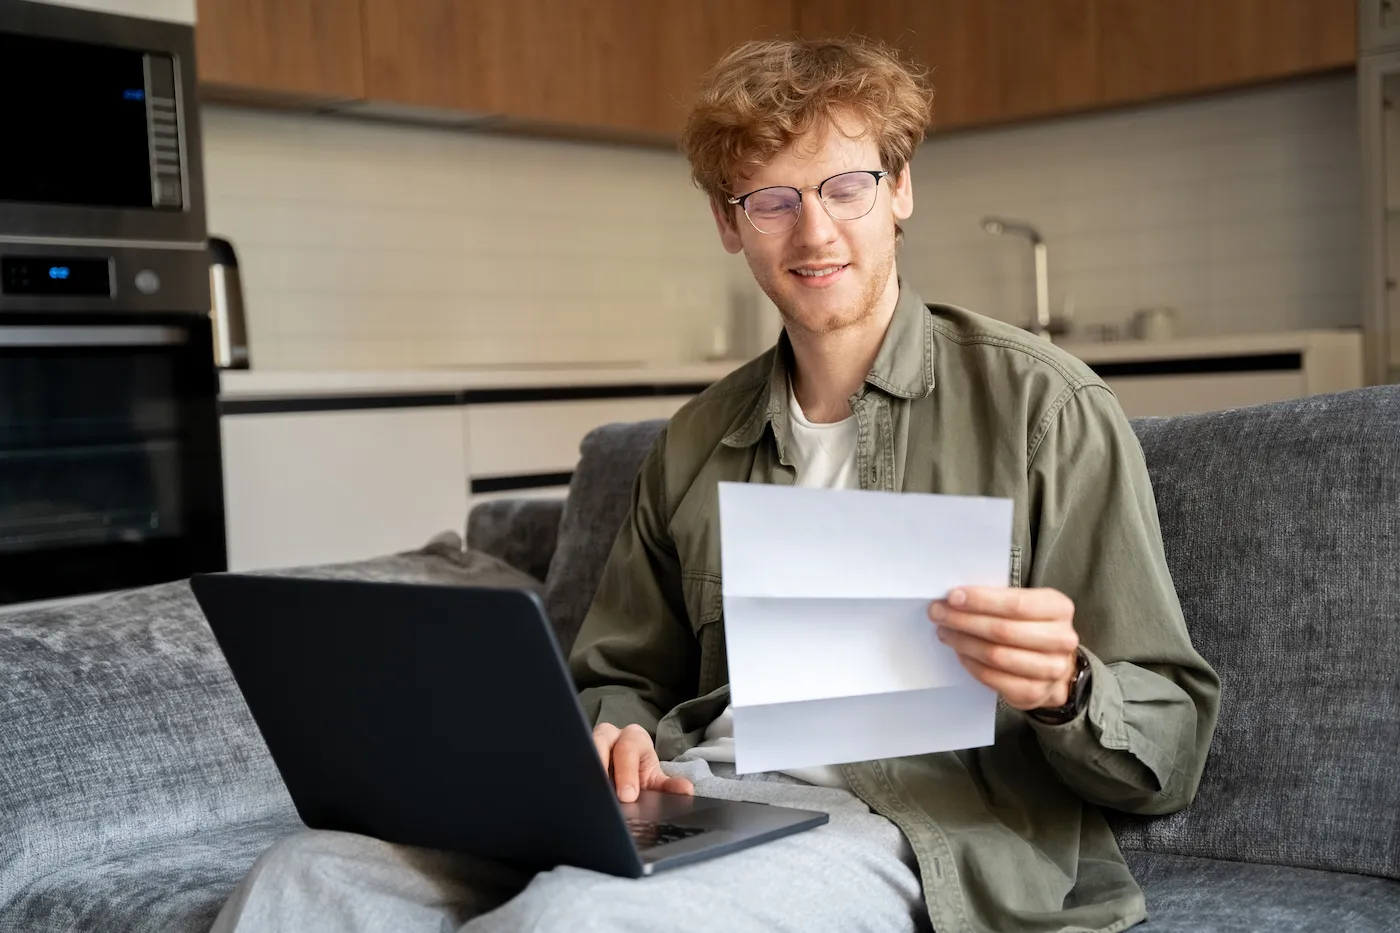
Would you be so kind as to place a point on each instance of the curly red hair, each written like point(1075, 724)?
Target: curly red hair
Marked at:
point(762, 96)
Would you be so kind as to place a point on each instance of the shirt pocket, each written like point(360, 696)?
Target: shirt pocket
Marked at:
point(703, 591)
point(704, 604)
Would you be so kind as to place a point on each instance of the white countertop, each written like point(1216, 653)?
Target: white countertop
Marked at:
point(257, 383)
point(1181, 348)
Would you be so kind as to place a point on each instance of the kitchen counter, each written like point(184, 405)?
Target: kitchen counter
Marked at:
point(1237, 345)
point(256, 389)
point(251, 384)
point(327, 466)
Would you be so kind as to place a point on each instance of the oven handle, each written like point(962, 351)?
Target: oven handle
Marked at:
point(95, 336)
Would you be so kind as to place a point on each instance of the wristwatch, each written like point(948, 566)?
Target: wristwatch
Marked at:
point(1078, 695)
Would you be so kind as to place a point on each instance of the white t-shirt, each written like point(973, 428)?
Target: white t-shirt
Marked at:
point(824, 455)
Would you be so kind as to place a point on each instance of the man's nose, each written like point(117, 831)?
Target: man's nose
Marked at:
point(814, 225)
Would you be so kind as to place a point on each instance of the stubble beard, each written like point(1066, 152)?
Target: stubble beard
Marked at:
point(863, 309)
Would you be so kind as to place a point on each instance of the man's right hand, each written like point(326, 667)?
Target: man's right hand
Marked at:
point(629, 757)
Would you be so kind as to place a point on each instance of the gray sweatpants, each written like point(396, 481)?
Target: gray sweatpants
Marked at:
point(856, 873)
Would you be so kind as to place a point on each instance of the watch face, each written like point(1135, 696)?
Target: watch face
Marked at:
point(1060, 715)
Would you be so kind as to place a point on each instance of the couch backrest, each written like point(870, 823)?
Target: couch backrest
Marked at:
point(600, 494)
point(1282, 531)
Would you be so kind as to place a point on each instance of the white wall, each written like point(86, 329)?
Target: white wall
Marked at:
point(1242, 210)
point(367, 245)
point(370, 245)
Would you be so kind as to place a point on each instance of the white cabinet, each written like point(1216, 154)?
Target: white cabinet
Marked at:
point(512, 444)
point(1190, 375)
point(309, 486)
point(306, 488)
point(1142, 396)
point(1378, 24)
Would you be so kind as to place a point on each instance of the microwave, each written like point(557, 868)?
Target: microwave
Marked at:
point(101, 127)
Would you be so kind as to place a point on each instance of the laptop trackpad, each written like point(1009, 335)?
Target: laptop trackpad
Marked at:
point(656, 807)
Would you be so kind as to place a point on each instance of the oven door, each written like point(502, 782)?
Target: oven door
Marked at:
point(110, 472)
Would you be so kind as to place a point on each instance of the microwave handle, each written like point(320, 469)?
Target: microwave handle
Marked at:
point(96, 336)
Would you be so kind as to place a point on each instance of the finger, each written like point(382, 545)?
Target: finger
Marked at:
point(604, 737)
point(1019, 692)
point(626, 761)
point(1049, 669)
point(1012, 602)
point(677, 785)
point(1054, 637)
point(653, 778)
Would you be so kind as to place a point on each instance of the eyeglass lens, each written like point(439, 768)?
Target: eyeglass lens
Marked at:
point(848, 196)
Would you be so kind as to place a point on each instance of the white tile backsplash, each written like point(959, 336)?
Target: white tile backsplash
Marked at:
point(1242, 210)
point(368, 245)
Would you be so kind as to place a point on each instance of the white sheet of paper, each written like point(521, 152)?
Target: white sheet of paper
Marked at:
point(832, 657)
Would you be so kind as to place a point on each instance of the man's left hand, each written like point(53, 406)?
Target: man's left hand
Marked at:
point(1019, 642)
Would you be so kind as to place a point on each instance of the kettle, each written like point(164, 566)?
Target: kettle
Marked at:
point(226, 307)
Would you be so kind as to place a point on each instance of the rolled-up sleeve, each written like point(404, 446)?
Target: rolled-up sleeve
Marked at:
point(1140, 743)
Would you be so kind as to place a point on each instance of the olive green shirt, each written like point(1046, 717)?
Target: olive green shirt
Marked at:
point(1009, 837)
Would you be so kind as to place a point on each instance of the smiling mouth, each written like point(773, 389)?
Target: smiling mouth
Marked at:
point(818, 272)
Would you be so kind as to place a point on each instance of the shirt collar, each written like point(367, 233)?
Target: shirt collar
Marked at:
point(902, 368)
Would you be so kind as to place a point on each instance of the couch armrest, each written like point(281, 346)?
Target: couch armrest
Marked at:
point(522, 532)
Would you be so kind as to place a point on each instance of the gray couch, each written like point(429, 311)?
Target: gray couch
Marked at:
point(136, 790)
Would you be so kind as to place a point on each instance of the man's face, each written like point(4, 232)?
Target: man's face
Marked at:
point(854, 258)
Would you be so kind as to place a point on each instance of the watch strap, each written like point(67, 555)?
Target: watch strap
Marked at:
point(1059, 715)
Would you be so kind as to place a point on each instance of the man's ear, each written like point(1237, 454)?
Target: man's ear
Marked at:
point(902, 194)
point(725, 215)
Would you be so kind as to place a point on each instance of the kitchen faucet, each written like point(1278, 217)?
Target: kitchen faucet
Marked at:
point(996, 226)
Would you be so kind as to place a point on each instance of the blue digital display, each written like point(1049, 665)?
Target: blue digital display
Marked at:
point(134, 95)
point(59, 272)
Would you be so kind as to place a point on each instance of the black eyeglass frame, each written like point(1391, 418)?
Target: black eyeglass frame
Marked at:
point(740, 199)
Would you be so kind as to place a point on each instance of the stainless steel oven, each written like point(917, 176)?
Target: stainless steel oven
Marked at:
point(110, 473)
point(110, 470)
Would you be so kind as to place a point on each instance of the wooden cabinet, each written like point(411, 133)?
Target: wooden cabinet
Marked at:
point(299, 49)
point(1145, 49)
point(612, 64)
point(995, 61)
point(990, 60)
point(627, 69)
point(688, 38)
point(525, 58)
point(1242, 41)
point(1041, 58)
point(1157, 48)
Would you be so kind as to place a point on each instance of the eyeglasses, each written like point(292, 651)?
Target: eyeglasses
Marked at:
point(848, 196)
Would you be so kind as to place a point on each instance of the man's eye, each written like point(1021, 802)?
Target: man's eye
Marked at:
point(769, 207)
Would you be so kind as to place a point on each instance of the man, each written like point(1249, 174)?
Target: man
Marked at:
point(804, 149)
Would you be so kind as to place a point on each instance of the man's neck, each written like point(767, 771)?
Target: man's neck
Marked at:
point(829, 368)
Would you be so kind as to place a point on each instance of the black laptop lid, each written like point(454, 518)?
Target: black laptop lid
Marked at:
point(425, 715)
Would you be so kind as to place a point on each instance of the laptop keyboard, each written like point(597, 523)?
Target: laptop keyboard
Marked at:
point(649, 833)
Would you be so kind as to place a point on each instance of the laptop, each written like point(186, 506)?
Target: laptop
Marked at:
point(445, 717)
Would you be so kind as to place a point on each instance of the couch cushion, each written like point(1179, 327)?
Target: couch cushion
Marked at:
point(600, 494)
point(121, 726)
point(172, 886)
point(1201, 895)
point(523, 532)
point(1282, 531)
